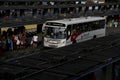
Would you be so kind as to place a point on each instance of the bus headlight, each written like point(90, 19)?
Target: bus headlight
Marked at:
point(63, 42)
point(58, 42)
point(46, 40)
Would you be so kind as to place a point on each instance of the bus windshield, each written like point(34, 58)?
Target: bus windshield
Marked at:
point(55, 32)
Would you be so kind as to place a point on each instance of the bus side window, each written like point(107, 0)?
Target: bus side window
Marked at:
point(101, 24)
point(84, 27)
point(68, 31)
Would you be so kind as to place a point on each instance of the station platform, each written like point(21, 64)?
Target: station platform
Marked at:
point(71, 62)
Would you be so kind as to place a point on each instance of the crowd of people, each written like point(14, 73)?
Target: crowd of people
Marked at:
point(16, 39)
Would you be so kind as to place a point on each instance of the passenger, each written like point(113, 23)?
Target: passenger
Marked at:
point(22, 42)
point(22, 39)
point(73, 37)
point(18, 44)
point(18, 39)
point(9, 42)
point(60, 35)
point(4, 40)
point(35, 41)
point(53, 35)
point(115, 23)
point(15, 38)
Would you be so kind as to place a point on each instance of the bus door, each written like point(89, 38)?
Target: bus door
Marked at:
point(69, 32)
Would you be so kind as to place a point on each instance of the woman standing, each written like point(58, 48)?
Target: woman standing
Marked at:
point(35, 41)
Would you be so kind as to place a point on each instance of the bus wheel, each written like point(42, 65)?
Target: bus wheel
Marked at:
point(94, 37)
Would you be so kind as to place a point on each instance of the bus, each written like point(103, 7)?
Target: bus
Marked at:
point(59, 33)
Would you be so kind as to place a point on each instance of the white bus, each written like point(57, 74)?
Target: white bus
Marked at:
point(59, 33)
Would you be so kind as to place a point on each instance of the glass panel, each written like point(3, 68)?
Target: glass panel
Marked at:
point(55, 24)
point(55, 32)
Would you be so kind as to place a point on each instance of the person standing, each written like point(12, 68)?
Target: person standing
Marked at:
point(35, 41)
point(73, 37)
